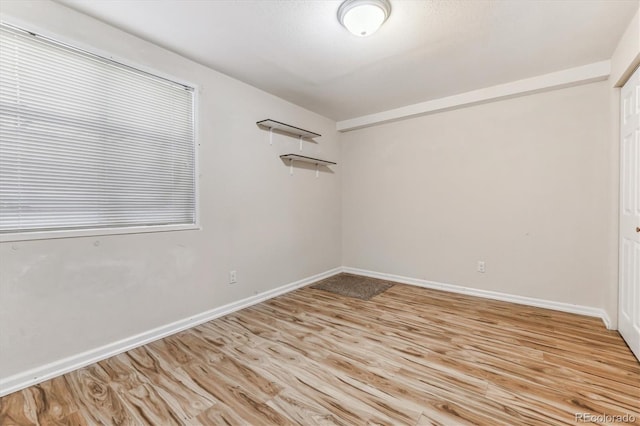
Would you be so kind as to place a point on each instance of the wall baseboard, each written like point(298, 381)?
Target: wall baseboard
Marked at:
point(486, 294)
point(57, 368)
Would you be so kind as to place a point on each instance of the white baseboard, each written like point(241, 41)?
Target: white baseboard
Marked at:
point(57, 368)
point(505, 297)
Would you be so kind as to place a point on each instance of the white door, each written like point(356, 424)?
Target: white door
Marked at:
point(629, 293)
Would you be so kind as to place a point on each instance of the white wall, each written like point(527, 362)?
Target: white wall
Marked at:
point(522, 184)
point(61, 297)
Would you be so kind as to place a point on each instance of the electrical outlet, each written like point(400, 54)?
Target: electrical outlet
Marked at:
point(232, 277)
point(481, 266)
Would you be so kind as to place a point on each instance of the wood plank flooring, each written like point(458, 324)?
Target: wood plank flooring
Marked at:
point(409, 356)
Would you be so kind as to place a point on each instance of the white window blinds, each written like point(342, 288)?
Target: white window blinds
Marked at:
point(86, 142)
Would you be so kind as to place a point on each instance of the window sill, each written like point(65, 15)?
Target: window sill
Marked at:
point(95, 232)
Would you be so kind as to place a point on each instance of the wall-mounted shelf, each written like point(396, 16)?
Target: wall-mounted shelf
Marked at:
point(316, 161)
point(287, 128)
point(300, 133)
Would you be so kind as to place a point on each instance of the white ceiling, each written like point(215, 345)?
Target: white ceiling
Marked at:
point(427, 49)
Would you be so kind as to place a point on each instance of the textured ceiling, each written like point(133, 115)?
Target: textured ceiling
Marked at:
point(426, 50)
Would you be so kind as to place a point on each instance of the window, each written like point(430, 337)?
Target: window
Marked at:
point(87, 143)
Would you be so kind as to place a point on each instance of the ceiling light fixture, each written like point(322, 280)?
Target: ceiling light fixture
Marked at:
point(363, 17)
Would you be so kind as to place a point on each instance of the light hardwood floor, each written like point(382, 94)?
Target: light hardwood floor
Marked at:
point(409, 356)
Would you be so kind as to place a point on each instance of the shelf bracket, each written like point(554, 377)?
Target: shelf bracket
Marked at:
point(300, 142)
point(317, 170)
point(291, 167)
point(270, 135)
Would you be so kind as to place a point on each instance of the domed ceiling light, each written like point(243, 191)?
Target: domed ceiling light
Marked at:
point(363, 17)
